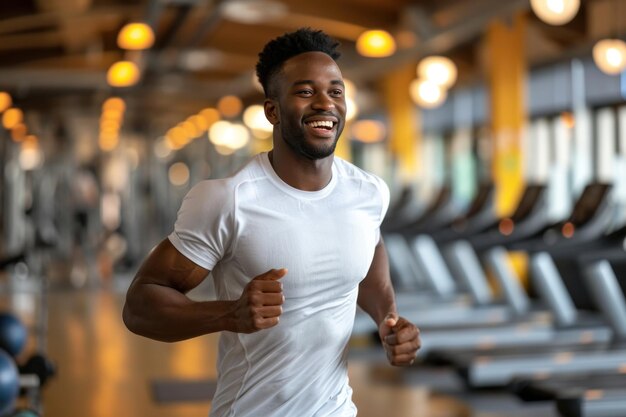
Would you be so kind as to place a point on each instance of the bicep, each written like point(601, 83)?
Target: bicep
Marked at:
point(380, 263)
point(166, 266)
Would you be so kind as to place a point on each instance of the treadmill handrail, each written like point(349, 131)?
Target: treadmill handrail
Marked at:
point(608, 296)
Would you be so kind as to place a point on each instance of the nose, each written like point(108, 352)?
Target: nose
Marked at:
point(323, 102)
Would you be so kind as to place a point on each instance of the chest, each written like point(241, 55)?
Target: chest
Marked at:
point(326, 246)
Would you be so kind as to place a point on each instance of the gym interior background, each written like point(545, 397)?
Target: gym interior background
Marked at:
point(500, 127)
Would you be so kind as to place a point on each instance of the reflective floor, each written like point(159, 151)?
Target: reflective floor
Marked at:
point(104, 370)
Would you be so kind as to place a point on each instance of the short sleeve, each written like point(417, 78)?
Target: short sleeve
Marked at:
point(385, 197)
point(204, 226)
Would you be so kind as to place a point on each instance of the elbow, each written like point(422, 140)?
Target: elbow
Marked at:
point(129, 319)
point(132, 314)
point(132, 320)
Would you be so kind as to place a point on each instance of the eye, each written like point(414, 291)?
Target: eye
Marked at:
point(337, 92)
point(305, 93)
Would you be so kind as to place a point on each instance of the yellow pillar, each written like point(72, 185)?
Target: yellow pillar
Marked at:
point(506, 65)
point(404, 123)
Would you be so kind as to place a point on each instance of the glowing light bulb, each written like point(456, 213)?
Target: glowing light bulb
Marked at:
point(230, 106)
point(254, 118)
point(12, 117)
point(135, 36)
point(210, 115)
point(123, 74)
point(610, 55)
point(438, 69)
point(376, 44)
point(5, 101)
point(426, 93)
point(369, 131)
point(555, 12)
point(114, 103)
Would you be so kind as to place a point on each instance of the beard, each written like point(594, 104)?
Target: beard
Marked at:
point(294, 138)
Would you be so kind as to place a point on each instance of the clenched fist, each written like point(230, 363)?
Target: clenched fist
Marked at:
point(401, 340)
point(260, 304)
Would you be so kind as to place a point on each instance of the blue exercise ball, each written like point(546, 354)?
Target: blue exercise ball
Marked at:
point(9, 383)
point(12, 334)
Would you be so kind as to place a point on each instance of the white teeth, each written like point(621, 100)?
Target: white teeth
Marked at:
point(321, 123)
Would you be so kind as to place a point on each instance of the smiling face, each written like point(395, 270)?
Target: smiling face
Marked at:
point(308, 109)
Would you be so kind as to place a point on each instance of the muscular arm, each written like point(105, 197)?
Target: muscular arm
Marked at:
point(400, 338)
point(157, 306)
point(376, 296)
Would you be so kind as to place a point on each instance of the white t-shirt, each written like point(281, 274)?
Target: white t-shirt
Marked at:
point(247, 224)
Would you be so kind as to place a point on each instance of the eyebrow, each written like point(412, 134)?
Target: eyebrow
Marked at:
point(333, 82)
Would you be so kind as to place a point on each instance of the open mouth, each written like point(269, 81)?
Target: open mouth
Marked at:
point(321, 124)
point(322, 127)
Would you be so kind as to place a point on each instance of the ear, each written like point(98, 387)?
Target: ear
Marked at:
point(271, 111)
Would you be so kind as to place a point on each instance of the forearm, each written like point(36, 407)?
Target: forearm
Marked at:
point(376, 295)
point(163, 313)
point(399, 337)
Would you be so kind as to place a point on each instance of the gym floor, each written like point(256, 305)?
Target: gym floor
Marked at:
point(104, 370)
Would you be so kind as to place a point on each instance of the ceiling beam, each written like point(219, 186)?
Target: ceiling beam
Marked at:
point(444, 39)
point(47, 39)
point(24, 78)
point(365, 15)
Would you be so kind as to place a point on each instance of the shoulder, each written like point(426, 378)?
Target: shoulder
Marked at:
point(250, 171)
point(349, 171)
point(223, 191)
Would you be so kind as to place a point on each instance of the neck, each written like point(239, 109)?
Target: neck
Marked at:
point(300, 172)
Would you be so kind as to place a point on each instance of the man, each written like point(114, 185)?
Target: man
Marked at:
point(293, 243)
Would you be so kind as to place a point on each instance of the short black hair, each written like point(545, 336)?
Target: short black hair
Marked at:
point(286, 46)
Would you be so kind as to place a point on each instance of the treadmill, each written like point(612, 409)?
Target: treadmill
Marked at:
point(593, 403)
point(446, 326)
point(427, 264)
point(458, 260)
point(405, 271)
point(417, 279)
point(586, 222)
point(589, 220)
point(573, 328)
point(591, 394)
point(582, 238)
point(453, 321)
point(585, 395)
point(572, 262)
point(497, 369)
point(440, 304)
point(529, 218)
point(421, 258)
point(514, 324)
point(479, 215)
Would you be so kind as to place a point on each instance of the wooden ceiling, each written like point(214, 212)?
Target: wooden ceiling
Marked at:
point(66, 46)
